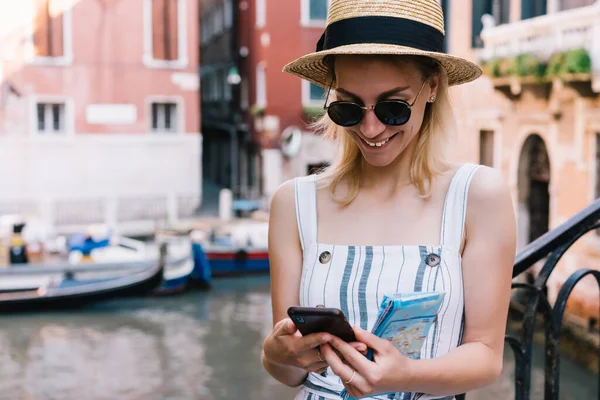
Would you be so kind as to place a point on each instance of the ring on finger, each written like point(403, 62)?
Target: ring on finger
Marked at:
point(352, 377)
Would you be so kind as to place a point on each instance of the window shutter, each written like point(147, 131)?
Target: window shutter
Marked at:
point(480, 8)
point(41, 28)
point(171, 30)
point(56, 19)
point(158, 26)
point(533, 8)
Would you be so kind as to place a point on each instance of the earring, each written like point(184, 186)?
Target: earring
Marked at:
point(432, 99)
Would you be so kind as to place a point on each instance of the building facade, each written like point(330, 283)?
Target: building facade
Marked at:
point(535, 115)
point(99, 111)
point(258, 37)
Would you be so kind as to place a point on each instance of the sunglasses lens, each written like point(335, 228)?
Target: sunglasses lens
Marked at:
point(392, 112)
point(345, 114)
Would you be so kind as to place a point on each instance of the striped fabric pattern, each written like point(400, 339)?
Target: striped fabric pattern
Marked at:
point(355, 278)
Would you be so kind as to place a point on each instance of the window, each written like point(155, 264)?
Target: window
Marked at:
point(317, 10)
point(164, 117)
point(533, 8)
point(498, 9)
point(165, 34)
point(48, 30)
point(314, 12)
point(164, 30)
point(228, 13)
point(569, 4)
point(261, 13)
point(486, 148)
point(501, 11)
point(312, 95)
point(50, 117)
point(480, 8)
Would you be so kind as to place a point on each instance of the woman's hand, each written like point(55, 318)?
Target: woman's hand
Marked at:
point(286, 346)
point(361, 377)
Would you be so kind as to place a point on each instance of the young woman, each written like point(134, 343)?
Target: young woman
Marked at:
point(389, 216)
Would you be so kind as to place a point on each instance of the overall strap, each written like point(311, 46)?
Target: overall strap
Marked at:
point(455, 206)
point(306, 209)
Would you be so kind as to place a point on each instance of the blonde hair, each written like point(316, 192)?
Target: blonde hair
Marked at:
point(428, 159)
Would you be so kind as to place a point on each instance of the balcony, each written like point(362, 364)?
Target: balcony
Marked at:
point(541, 44)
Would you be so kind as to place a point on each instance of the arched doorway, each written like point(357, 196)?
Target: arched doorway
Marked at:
point(534, 194)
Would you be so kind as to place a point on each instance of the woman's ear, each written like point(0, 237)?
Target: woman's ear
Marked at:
point(434, 83)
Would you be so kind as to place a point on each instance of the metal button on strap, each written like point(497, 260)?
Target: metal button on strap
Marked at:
point(433, 260)
point(324, 257)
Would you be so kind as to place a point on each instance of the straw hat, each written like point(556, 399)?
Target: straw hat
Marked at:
point(397, 27)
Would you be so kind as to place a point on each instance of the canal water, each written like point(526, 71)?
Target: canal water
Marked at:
point(200, 345)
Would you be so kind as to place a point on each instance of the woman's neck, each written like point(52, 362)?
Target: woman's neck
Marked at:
point(392, 176)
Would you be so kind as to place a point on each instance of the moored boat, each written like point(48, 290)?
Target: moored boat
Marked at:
point(74, 289)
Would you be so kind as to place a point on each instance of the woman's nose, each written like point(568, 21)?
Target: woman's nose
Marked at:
point(371, 126)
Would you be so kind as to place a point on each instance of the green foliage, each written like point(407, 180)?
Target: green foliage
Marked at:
point(505, 67)
point(529, 65)
point(555, 64)
point(577, 62)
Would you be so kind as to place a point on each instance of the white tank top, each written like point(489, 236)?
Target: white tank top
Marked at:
point(355, 278)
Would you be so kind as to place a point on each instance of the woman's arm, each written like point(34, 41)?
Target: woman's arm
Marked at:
point(487, 263)
point(285, 257)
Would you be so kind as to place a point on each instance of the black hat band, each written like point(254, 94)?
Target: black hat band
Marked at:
point(384, 30)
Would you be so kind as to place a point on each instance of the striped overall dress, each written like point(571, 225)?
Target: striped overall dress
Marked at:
point(355, 278)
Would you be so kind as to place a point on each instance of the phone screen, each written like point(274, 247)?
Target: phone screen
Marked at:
point(316, 319)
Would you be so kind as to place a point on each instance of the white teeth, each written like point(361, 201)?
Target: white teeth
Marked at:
point(378, 144)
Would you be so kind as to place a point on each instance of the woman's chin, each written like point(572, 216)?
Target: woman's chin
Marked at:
point(379, 161)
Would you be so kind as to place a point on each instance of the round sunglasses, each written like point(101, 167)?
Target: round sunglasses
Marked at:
point(389, 112)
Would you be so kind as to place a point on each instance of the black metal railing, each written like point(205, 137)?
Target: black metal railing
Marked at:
point(547, 249)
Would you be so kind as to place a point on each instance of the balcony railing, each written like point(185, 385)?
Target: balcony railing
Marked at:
point(546, 35)
point(547, 249)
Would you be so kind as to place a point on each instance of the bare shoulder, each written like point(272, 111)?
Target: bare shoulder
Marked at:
point(284, 198)
point(488, 187)
point(490, 204)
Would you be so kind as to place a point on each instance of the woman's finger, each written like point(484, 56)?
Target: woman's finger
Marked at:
point(360, 347)
point(357, 360)
point(314, 340)
point(342, 370)
point(284, 327)
point(370, 340)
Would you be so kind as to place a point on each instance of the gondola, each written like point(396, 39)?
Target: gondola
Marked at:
point(72, 292)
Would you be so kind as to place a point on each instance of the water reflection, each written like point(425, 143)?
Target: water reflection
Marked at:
point(202, 345)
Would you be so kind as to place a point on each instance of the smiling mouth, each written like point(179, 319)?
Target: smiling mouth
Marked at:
point(379, 144)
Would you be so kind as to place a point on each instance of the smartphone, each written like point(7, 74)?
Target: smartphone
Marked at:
point(318, 319)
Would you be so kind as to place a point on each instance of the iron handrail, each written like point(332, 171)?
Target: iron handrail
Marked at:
point(549, 249)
